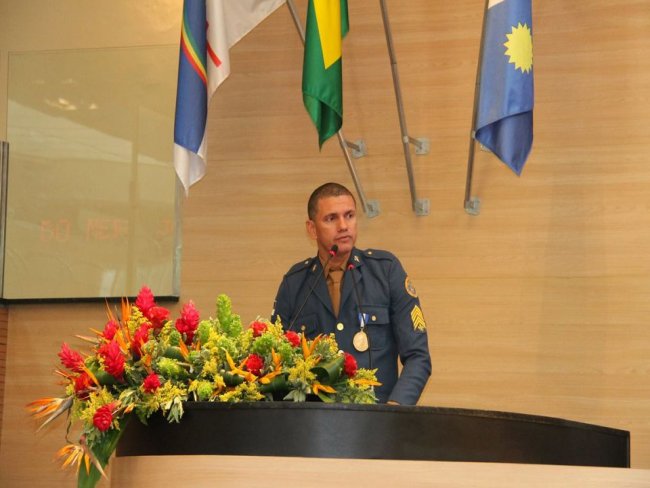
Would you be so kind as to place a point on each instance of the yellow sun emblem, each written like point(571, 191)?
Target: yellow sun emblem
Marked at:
point(520, 48)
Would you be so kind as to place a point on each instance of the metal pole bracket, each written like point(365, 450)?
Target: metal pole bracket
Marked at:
point(358, 148)
point(473, 206)
point(422, 145)
point(372, 208)
point(422, 207)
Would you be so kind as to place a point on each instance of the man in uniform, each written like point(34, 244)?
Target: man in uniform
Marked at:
point(364, 297)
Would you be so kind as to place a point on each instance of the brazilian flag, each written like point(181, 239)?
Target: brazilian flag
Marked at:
point(322, 84)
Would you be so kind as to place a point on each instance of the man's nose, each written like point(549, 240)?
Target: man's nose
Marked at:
point(342, 223)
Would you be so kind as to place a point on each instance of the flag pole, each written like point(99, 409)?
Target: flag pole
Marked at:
point(473, 205)
point(419, 206)
point(370, 207)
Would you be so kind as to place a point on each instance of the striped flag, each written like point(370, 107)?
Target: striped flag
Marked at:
point(504, 121)
point(209, 29)
point(322, 85)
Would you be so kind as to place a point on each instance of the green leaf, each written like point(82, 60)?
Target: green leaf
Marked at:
point(296, 396)
point(232, 379)
point(174, 352)
point(328, 373)
point(102, 452)
point(278, 384)
point(325, 398)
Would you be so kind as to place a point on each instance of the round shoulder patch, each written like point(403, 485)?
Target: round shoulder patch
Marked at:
point(410, 289)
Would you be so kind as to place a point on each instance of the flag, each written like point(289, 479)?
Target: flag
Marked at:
point(504, 122)
point(322, 84)
point(209, 29)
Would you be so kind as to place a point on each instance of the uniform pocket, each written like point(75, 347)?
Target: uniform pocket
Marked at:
point(378, 326)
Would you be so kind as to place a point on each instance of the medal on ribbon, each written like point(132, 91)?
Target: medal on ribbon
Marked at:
point(360, 339)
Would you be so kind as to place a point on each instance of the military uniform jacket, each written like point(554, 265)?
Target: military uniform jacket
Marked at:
point(394, 320)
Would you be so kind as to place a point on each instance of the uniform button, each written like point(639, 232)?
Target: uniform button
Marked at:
point(374, 318)
point(340, 326)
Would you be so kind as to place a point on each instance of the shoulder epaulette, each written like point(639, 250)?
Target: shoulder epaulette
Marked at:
point(378, 254)
point(300, 266)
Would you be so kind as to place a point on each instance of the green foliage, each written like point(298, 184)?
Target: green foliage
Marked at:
point(171, 368)
point(204, 329)
point(230, 323)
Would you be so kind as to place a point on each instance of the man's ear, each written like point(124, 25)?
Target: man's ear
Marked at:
point(311, 229)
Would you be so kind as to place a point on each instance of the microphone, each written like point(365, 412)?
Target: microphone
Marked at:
point(361, 340)
point(332, 252)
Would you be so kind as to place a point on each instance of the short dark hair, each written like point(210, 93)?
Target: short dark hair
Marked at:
point(330, 189)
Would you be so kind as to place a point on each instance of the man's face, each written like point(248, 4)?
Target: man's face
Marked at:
point(335, 223)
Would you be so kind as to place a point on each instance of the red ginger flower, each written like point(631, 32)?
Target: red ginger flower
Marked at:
point(71, 359)
point(254, 364)
point(157, 316)
point(103, 417)
point(258, 328)
point(293, 338)
point(110, 329)
point(350, 365)
point(145, 300)
point(147, 305)
point(140, 337)
point(189, 321)
point(151, 383)
point(113, 359)
point(82, 384)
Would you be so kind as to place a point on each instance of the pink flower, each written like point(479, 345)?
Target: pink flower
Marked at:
point(254, 364)
point(145, 300)
point(103, 417)
point(293, 338)
point(258, 328)
point(188, 322)
point(71, 359)
point(350, 365)
point(151, 383)
point(113, 359)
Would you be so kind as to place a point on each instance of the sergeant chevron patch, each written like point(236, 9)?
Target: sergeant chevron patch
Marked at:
point(418, 319)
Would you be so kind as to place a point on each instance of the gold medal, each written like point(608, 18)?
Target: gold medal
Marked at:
point(360, 341)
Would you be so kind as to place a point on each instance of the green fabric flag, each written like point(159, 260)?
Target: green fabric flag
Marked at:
point(322, 84)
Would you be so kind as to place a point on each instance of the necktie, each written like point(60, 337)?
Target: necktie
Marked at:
point(334, 278)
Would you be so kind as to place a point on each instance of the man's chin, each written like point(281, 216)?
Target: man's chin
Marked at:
point(345, 246)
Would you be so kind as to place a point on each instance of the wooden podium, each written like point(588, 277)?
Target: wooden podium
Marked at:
point(217, 438)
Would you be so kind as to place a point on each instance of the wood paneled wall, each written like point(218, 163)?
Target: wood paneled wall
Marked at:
point(539, 305)
point(4, 327)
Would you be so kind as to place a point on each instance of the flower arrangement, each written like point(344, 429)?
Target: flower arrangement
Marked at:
point(143, 362)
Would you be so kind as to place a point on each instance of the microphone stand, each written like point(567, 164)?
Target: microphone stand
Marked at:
point(332, 252)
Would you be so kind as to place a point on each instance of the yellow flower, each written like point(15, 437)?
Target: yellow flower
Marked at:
point(316, 387)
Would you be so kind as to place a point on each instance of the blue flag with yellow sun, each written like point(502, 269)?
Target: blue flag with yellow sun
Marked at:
point(504, 119)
